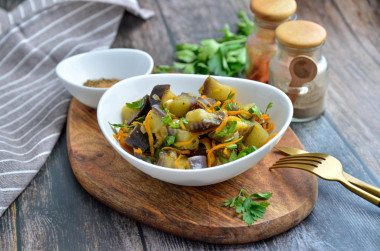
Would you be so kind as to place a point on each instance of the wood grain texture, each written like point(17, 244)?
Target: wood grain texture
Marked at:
point(349, 130)
point(190, 212)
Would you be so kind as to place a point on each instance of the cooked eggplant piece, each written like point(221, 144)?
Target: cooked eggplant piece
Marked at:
point(241, 129)
point(129, 115)
point(197, 162)
point(160, 94)
point(156, 108)
point(207, 101)
point(214, 89)
point(257, 137)
point(200, 120)
point(169, 159)
point(181, 105)
point(155, 122)
point(137, 139)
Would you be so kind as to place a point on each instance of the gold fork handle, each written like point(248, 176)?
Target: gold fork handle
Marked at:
point(365, 195)
point(367, 187)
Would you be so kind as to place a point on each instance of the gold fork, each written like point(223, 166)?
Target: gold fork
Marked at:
point(326, 167)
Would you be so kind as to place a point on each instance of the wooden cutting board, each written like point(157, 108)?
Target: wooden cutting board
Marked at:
point(190, 212)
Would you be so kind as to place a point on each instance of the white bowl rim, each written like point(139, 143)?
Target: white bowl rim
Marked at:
point(202, 170)
point(101, 51)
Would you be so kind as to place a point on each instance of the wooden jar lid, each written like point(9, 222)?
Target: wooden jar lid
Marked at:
point(273, 10)
point(300, 34)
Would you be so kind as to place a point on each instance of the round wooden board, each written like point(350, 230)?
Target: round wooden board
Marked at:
point(189, 212)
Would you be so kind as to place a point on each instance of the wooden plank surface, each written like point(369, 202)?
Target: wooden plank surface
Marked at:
point(56, 213)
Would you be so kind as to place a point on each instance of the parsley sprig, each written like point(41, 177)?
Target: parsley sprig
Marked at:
point(224, 57)
point(250, 209)
point(137, 104)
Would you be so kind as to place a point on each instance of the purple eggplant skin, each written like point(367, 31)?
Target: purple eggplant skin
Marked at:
point(156, 108)
point(157, 93)
point(208, 123)
point(137, 139)
point(197, 162)
point(206, 101)
point(143, 110)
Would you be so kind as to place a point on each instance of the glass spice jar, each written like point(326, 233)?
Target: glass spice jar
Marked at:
point(297, 38)
point(261, 46)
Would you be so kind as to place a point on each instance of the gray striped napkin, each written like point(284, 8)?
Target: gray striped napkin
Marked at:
point(34, 37)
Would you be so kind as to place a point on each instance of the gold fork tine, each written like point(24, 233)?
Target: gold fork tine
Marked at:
point(298, 166)
point(326, 167)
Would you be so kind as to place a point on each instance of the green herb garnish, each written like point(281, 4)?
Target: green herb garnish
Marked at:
point(245, 121)
point(268, 107)
point(170, 140)
point(141, 119)
point(250, 209)
point(255, 110)
point(114, 126)
point(137, 104)
point(230, 106)
point(224, 57)
point(230, 96)
point(246, 151)
point(228, 129)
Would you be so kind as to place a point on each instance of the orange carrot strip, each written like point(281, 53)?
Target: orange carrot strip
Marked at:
point(177, 161)
point(271, 136)
point(226, 153)
point(206, 143)
point(238, 112)
point(204, 106)
point(182, 125)
point(184, 143)
point(222, 125)
point(210, 152)
point(149, 131)
point(138, 150)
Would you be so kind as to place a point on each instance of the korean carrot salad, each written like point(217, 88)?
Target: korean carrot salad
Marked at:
point(188, 131)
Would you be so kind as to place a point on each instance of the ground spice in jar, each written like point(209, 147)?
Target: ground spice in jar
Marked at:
point(101, 83)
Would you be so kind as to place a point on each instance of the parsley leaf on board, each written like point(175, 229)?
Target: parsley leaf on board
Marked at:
point(137, 104)
point(250, 209)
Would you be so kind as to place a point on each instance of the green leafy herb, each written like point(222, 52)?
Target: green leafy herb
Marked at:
point(141, 119)
point(114, 126)
point(245, 121)
point(229, 139)
point(166, 110)
point(228, 129)
point(166, 120)
point(233, 156)
point(269, 106)
point(225, 56)
point(230, 106)
point(250, 209)
point(230, 95)
point(170, 140)
point(137, 104)
point(255, 110)
point(246, 151)
point(233, 146)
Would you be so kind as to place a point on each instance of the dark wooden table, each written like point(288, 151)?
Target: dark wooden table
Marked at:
point(54, 212)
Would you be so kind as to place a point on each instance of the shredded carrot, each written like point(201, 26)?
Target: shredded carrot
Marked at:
point(182, 125)
point(270, 137)
point(149, 131)
point(226, 153)
point(222, 125)
point(213, 143)
point(265, 117)
point(217, 103)
point(238, 112)
point(233, 97)
point(204, 106)
point(233, 118)
point(269, 126)
point(210, 159)
point(138, 150)
point(206, 143)
point(177, 161)
point(210, 155)
point(177, 150)
point(204, 132)
point(120, 137)
point(204, 97)
point(225, 104)
point(184, 143)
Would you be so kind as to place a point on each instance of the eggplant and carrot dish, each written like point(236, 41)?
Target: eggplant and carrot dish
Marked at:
point(190, 131)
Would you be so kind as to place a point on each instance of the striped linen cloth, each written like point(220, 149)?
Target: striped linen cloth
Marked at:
point(34, 37)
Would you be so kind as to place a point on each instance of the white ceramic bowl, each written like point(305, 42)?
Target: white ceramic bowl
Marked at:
point(111, 63)
point(247, 91)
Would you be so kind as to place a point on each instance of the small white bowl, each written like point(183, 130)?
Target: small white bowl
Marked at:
point(247, 91)
point(110, 63)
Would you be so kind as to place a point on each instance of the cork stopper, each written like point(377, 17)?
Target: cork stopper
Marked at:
point(300, 34)
point(273, 10)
